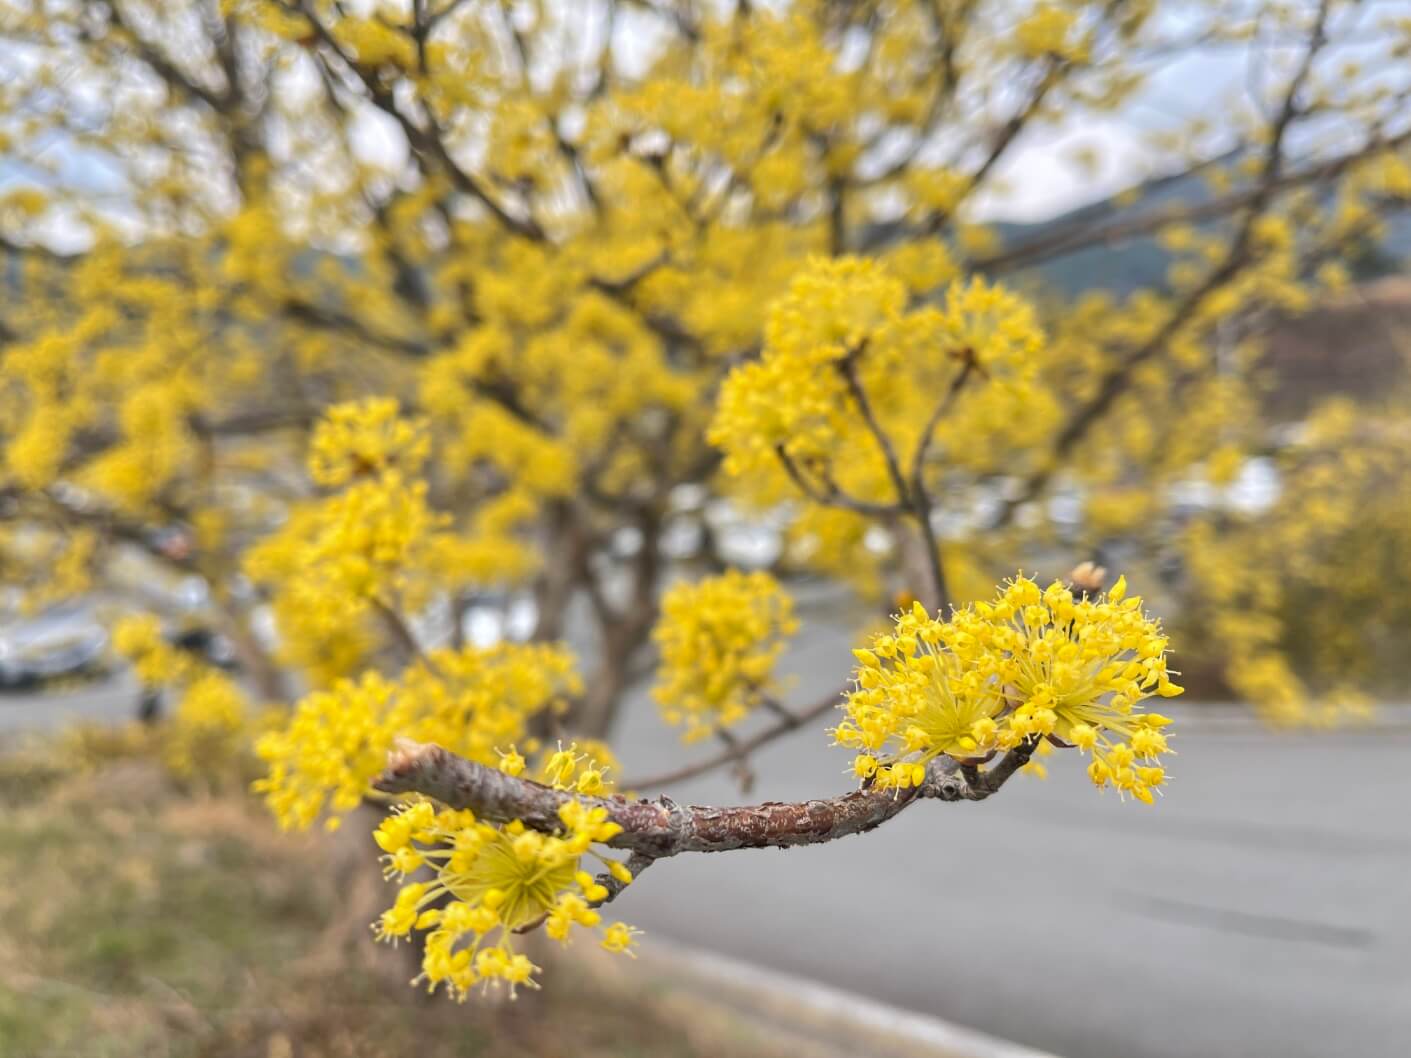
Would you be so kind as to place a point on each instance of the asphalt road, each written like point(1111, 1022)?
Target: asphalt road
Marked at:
point(1263, 908)
point(113, 700)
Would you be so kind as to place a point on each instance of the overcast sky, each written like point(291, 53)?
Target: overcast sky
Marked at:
point(1041, 176)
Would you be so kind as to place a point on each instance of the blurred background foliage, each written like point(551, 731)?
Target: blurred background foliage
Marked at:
point(549, 231)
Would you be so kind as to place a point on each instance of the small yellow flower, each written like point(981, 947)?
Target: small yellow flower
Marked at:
point(719, 640)
point(490, 881)
point(1029, 665)
point(620, 937)
point(511, 763)
point(335, 741)
point(364, 438)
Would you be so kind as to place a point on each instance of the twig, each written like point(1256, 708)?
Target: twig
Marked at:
point(848, 367)
point(917, 504)
point(830, 495)
point(403, 637)
point(426, 143)
point(1115, 382)
point(744, 773)
point(921, 497)
point(660, 828)
point(175, 77)
point(636, 863)
point(991, 781)
point(742, 748)
point(1079, 236)
point(943, 407)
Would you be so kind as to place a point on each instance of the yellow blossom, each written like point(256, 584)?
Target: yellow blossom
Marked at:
point(490, 881)
point(719, 640)
point(1032, 665)
point(364, 438)
point(470, 701)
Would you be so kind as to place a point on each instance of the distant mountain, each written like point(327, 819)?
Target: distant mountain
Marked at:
point(1353, 344)
point(1130, 264)
point(1120, 267)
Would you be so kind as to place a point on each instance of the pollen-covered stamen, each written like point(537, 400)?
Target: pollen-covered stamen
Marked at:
point(490, 883)
point(1039, 667)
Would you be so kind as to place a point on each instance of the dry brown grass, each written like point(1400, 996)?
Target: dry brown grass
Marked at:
point(139, 921)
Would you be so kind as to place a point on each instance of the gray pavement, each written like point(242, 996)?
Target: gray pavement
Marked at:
point(1261, 910)
point(114, 699)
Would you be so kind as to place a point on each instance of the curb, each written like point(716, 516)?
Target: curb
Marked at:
point(852, 1023)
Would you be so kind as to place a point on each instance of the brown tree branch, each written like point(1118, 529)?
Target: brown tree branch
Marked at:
point(176, 78)
point(917, 504)
point(1082, 234)
point(848, 367)
point(660, 828)
point(830, 494)
point(1240, 251)
point(426, 143)
point(740, 749)
point(401, 634)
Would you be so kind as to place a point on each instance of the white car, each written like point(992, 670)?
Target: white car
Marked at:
point(67, 640)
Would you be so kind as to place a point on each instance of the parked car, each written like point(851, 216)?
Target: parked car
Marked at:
point(63, 642)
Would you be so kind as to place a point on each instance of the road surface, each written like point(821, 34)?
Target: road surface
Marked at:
point(1261, 910)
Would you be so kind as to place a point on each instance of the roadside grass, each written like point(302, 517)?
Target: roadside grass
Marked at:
point(137, 920)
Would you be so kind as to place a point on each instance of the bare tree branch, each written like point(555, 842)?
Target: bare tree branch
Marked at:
point(660, 828)
point(402, 635)
point(916, 503)
point(427, 142)
point(1238, 254)
point(830, 494)
point(176, 78)
point(741, 749)
point(1082, 233)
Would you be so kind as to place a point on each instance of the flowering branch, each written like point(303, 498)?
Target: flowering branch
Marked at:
point(1239, 251)
point(659, 828)
point(831, 495)
point(913, 500)
point(402, 635)
point(1081, 234)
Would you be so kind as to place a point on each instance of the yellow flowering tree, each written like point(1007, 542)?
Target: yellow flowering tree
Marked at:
point(377, 319)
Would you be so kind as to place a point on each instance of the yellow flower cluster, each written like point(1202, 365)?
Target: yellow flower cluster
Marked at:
point(1048, 31)
point(469, 701)
point(335, 744)
point(36, 450)
point(157, 443)
point(1033, 664)
point(364, 543)
point(583, 767)
point(363, 438)
point(208, 730)
point(138, 639)
point(843, 334)
point(375, 43)
point(45, 567)
point(719, 640)
point(491, 881)
point(794, 396)
point(376, 543)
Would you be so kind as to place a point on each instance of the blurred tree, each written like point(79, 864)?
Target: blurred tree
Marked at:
point(539, 286)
